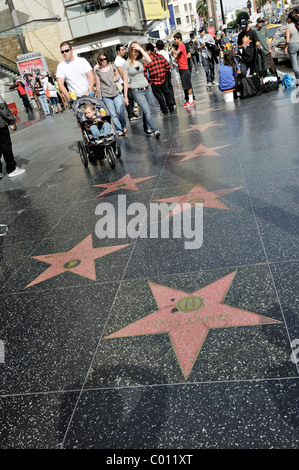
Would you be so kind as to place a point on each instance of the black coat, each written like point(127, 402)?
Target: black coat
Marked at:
point(6, 116)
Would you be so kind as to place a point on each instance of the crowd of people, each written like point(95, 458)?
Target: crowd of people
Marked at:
point(141, 72)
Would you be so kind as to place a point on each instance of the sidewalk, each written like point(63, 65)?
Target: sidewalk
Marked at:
point(124, 343)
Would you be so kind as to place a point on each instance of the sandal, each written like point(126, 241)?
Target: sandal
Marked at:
point(125, 130)
point(120, 134)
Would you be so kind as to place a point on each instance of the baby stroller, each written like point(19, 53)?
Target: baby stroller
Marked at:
point(107, 145)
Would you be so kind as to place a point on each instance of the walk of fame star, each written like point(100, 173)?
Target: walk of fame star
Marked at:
point(202, 112)
point(204, 101)
point(126, 182)
point(79, 260)
point(200, 150)
point(198, 194)
point(188, 318)
point(202, 127)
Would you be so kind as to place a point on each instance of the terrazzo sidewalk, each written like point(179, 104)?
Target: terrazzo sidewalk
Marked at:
point(137, 342)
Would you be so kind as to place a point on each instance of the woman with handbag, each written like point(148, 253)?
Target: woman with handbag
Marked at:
point(133, 69)
point(292, 43)
point(106, 85)
point(42, 96)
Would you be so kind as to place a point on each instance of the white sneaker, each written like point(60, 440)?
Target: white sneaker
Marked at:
point(16, 172)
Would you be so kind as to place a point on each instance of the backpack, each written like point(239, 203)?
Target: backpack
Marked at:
point(192, 48)
point(248, 87)
point(287, 81)
point(270, 83)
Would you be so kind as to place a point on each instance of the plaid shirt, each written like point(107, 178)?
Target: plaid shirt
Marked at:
point(157, 69)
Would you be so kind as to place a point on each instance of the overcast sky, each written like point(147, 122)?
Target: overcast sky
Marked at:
point(231, 4)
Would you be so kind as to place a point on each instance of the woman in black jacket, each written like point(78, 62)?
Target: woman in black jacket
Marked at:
point(7, 119)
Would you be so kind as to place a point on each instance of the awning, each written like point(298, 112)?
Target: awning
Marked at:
point(103, 43)
point(28, 27)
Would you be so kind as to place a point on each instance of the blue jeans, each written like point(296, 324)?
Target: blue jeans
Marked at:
point(105, 130)
point(294, 56)
point(143, 99)
point(116, 109)
point(44, 103)
point(209, 66)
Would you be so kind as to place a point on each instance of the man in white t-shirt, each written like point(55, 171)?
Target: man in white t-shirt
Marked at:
point(75, 71)
point(119, 62)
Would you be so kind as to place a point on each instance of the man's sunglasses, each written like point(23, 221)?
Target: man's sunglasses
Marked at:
point(65, 50)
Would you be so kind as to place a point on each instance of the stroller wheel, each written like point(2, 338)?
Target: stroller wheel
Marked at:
point(83, 154)
point(110, 155)
point(117, 149)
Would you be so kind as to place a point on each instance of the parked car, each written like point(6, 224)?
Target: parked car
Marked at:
point(272, 29)
point(278, 45)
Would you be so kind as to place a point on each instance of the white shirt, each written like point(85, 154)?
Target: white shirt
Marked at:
point(165, 54)
point(119, 62)
point(206, 39)
point(74, 73)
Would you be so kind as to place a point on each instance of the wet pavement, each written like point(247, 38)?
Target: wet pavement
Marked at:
point(140, 343)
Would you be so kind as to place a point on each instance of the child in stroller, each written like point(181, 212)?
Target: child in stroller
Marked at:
point(95, 124)
point(97, 129)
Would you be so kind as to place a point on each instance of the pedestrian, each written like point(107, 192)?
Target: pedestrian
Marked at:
point(292, 43)
point(53, 95)
point(228, 71)
point(42, 96)
point(7, 119)
point(160, 49)
point(248, 42)
point(119, 61)
point(175, 69)
point(179, 52)
point(20, 86)
point(156, 72)
point(263, 36)
point(31, 83)
point(61, 98)
point(192, 50)
point(134, 71)
point(76, 72)
point(106, 76)
point(207, 58)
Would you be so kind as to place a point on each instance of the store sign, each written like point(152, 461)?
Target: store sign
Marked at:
point(108, 3)
point(30, 55)
point(156, 9)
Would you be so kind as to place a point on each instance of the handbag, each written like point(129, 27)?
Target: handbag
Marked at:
point(48, 94)
point(117, 84)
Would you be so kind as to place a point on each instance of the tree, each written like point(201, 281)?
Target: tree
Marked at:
point(241, 15)
point(261, 3)
point(202, 9)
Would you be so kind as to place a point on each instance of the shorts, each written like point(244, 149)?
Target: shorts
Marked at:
point(185, 79)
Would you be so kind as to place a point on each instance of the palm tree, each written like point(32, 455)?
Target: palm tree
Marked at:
point(202, 9)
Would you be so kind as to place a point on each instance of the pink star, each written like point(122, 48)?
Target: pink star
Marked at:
point(204, 101)
point(201, 150)
point(198, 194)
point(79, 260)
point(188, 318)
point(126, 182)
point(205, 111)
point(202, 127)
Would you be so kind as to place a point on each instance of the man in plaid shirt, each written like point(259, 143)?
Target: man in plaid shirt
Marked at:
point(155, 72)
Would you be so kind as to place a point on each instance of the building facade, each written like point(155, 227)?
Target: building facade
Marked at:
point(90, 25)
